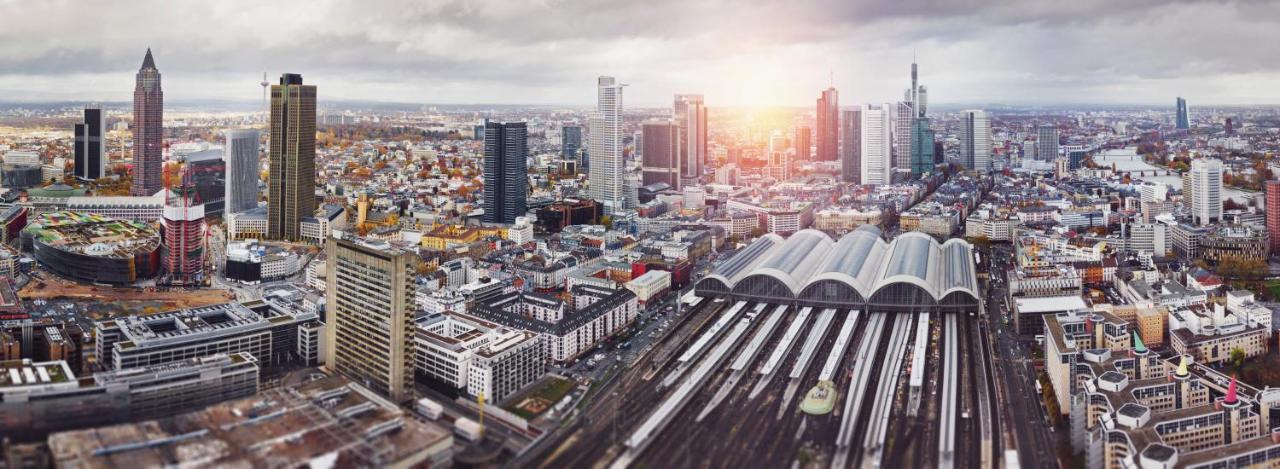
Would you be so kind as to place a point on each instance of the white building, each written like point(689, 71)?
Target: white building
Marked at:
point(650, 285)
point(876, 145)
point(605, 146)
point(511, 361)
point(1206, 190)
point(521, 231)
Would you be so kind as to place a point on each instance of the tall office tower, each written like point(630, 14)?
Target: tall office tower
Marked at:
point(851, 146)
point(184, 230)
point(240, 154)
point(922, 101)
point(660, 160)
point(90, 147)
point(1047, 143)
point(828, 129)
point(605, 145)
point(1182, 120)
point(921, 146)
point(369, 331)
point(506, 173)
point(570, 141)
point(975, 140)
point(876, 147)
point(1206, 194)
point(291, 182)
point(148, 129)
point(691, 116)
point(802, 143)
point(1228, 128)
point(902, 116)
point(1273, 214)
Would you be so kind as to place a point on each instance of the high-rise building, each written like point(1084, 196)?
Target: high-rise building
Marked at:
point(851, 146)
point(1206, 190)
point(828, 128)
point(876, 145)
point(1273, 214)
point(803, 143)
point(975, 140)
point(570, 141)
point(240, 154)
point(902, 117)
point(90, 147)
point(184, 232)
point(1047, 141)
point(148, 129)
point(660, 155)
point(506, 173)
point(921, 146)
point(1182, 119)
point(691, 116)
point(1228, 127)
point(291, 183)
point(369, 332)
point(605, 146)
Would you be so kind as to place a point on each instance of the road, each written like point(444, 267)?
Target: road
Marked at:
point(1015, 373)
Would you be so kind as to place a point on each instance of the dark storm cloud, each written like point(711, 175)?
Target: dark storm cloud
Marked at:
point(548, 51)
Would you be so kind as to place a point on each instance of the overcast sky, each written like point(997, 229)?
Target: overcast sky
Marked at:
point(736, 52)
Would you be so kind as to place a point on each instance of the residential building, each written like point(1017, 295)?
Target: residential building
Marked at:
point(510, 361)
point(605, 146)
point(368, 291)
point(506, 179)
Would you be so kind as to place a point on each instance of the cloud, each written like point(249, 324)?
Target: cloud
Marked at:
point(735, 52)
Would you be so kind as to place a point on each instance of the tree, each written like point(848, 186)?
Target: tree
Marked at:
point(981, 241)
point(1237, 358)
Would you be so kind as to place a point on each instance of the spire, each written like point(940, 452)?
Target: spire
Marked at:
point(1231, 392)
point(1182, 368)
point(148, 62)
point(1138, 346)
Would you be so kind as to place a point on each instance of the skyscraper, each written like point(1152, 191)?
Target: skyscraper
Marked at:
point(1206, 190)
point(291, 183)
point(570, 141)
point(921, 146)
point(369, 331)
point(975, 140)
point(1228, 128)
point(506, 173)
point(828, 128)
point(691, 116)
point(902, 116)
point(605, 146)
point(1273, 214)
point(1182, 119)
point(148, 129)
point(851, 146)
point(802, 143)
point(661, 147)
point(876, 147)
point(90, 147)
point(241, 157)
point(184, 231)
point(1047, 143)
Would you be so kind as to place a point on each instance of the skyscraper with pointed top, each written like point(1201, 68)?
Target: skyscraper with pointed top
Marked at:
point(148, 129)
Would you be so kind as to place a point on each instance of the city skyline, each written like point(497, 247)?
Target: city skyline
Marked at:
point(418, 53)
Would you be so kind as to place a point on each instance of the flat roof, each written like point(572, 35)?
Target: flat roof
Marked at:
point(1050, 304)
